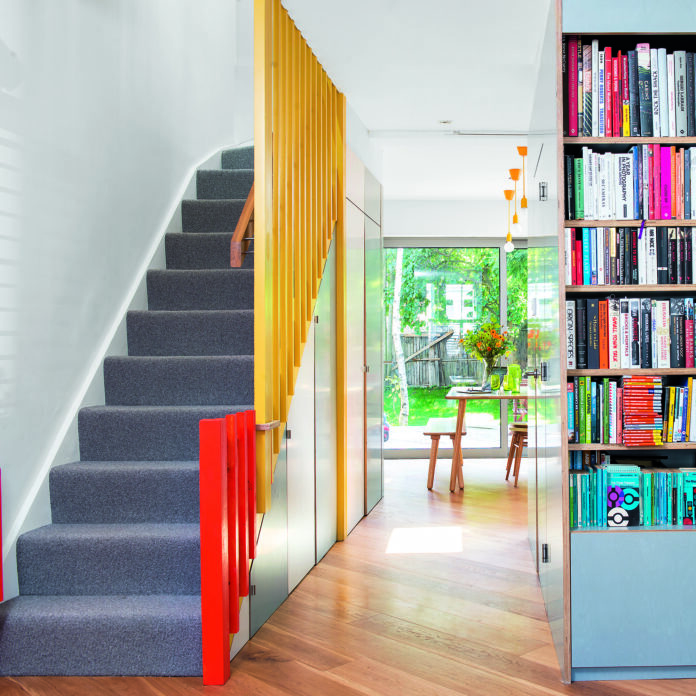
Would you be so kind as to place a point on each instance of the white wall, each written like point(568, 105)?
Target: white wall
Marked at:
point(359, 141)
point(454, 218)
point(105, 109)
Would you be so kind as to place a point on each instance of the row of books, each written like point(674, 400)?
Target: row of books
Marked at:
point(628, 411)
point(649, 182)
point(640, 92)
point(616, 495)
point(629, 333)
point(630, 255)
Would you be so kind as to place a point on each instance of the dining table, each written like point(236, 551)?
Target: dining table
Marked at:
point(462, 395)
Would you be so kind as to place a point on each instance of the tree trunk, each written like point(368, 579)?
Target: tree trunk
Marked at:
point(396, 338)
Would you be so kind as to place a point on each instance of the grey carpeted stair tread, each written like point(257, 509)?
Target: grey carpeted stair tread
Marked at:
point(191, 332)
point(177, 381)
point(152, 433)
point(89, 559)
point(238, 158)
point(198, 251)
point(223, 183)
point(201, 216)
point(124, 492)
point(157, 635)
point(200, 289)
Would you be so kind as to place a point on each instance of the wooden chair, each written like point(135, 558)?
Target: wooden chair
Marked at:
point(518, 442)
point(436, 428)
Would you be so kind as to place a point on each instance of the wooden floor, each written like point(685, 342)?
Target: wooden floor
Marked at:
point(434, 594)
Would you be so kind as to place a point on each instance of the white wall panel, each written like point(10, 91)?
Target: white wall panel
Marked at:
point(300, 449)
point(355, 356)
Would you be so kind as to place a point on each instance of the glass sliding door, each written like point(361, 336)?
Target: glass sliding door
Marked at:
point(432, 297)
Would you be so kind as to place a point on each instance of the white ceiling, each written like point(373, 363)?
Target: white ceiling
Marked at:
point(405, 65)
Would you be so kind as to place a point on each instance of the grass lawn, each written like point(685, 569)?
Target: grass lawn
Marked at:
point(430, 402)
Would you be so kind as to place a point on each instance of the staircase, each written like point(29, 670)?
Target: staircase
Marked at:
point(112, 586)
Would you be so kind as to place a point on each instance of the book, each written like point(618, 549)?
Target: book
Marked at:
point(666, 183)
point(645, 332)
point(655, 92)
point(603, 334)
point(634, 313)
point(601, 91)
point(625, 333)
point(595, 87)
point(644, 89)
point(570, 335)
point(613, 313)
point(579, 188)
point(689, 331)
point(592, 334)
point(581, 333)
point(671, 105)
point(677, 332)
point(623, 178)
point(625, 97)
point(662, 333)
point(662, 81)
point(680, 93)
point(608, 93)
point(633, 94)
point(587, 89)
point(690, 95)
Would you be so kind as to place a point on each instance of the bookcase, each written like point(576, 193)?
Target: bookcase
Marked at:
point(617, 598)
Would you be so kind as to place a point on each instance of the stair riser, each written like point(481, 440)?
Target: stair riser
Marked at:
point(113, 494)
point(106, 566)
point(200, 251)
point(190, 333)
point(178, 381)
point(52, 642)
point(201, 217)
point(239, 158)
point(124, 434)
point(223, 183)
point(205, 290)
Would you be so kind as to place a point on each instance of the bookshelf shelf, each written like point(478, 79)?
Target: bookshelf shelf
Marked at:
point(596, 446)
point(640, 530)
point(630, 223)
point(629, 289)
point(647, 371)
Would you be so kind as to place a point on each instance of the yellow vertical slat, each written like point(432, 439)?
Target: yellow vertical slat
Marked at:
point(298, 207)
point(341, 379)
point(263, 395)
point(326, 179)
point(278, 204)
point(282, 180)
point(321, 179)
point(309, 179)
point(287, 340)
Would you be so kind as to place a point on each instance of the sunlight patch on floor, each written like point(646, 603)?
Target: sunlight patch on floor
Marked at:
point(426, 540)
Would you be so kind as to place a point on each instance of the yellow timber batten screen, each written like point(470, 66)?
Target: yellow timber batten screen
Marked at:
point(299, 203)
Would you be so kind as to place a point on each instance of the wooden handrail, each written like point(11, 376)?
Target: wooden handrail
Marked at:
point(243, 232)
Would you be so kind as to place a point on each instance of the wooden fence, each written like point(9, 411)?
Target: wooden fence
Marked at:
point(436, 361)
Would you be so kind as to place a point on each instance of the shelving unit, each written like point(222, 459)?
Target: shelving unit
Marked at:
point(626, 613)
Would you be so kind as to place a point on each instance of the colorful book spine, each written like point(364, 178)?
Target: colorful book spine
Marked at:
point(644, 89)
point(571, 356)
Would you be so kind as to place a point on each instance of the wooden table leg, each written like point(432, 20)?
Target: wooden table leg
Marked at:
point(457, 449)
point(434, 441)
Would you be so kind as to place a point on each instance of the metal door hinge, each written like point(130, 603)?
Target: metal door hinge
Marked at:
point(288, 433)
point(544, 372)
point(316, 318)
point(365, 368)
point(252, 590)
point(543, 191)
point(544, 553)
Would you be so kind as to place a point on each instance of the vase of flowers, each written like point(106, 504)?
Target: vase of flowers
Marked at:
point(488, 342)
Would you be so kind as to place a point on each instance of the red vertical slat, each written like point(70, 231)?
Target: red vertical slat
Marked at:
point(250, 432)
point(215, 597)
point(232, 526)
point(2, 596)
point(242, 507)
